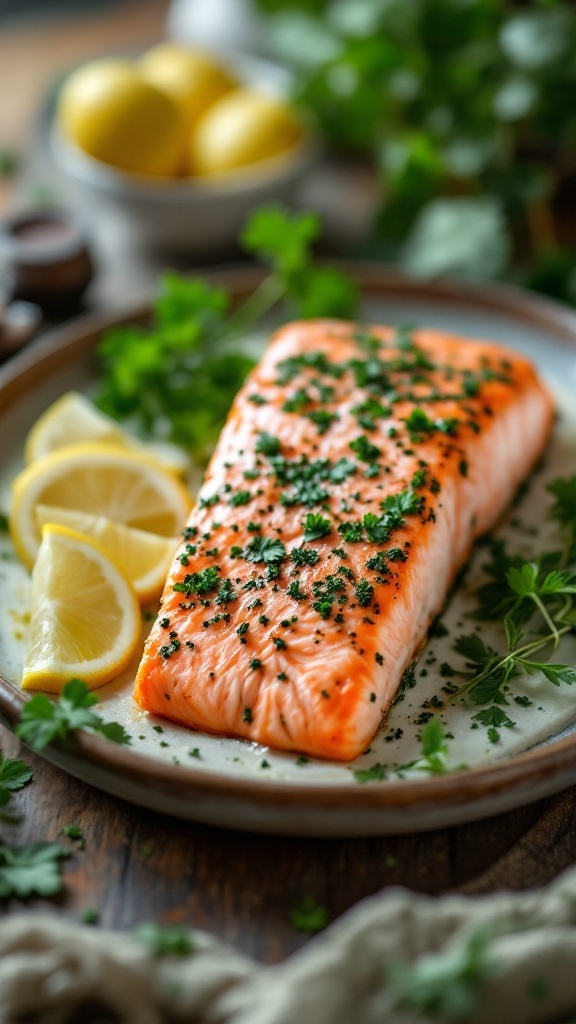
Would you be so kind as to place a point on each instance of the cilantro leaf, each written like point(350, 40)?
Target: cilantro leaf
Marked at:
point(43, 721)
point(32, 870)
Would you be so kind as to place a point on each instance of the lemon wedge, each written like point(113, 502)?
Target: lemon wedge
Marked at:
point(121, 484)
point(144, 558)
point(85, 619)
point(74, 419)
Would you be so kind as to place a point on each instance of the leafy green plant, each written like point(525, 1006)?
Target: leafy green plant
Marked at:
point(465, 109)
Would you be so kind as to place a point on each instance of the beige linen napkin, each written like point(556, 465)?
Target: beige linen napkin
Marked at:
point(523, 971)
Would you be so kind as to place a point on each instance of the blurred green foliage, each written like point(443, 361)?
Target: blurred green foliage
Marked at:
point(467, 107)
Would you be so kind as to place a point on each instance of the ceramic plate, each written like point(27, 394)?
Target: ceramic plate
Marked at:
point(241, 785)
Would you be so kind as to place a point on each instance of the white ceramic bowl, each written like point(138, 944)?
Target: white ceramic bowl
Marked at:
point(188, 216)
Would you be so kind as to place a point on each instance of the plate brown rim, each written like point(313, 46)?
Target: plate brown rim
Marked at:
point(538, 765)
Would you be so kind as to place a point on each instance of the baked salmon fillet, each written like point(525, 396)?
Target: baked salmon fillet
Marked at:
point(356, 468)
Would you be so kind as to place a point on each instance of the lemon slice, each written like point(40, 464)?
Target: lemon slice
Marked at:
point(121, 484)
point(74, 419)
point(144, 558)
point(85, 619)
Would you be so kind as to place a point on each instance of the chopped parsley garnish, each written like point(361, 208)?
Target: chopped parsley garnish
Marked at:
point(322, 418)
point(265, 549)
point(297, 401)
point(241, 630)
point(368, 411)
point(199, 582)
point(295, 591)
point(240, 498)
point(376, 527)
point(167, 650)
point(377, 773)
point(364, 593)
point(420, 424)
point(342, 469)
point(304, 556)
point(226, 592)
point(247, 716)
point(378, 563)
point(267, 444)
point(372, 374)
point(306, 477)
point(364, 449)
point(398, 505)
point(293, 366)
point(316, 526)
point(352, 532)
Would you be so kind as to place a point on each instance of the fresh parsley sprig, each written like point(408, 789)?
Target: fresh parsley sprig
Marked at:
point(32, 870)
point(539, 596)
point(434, 749)
point(43, 721)
point(177, 378)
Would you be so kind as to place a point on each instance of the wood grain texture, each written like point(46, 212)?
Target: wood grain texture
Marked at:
point(138, 865)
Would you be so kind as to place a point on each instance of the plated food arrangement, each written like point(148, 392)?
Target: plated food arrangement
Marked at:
point(357, 467)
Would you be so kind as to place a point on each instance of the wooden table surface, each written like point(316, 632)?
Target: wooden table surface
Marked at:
point(138, 865)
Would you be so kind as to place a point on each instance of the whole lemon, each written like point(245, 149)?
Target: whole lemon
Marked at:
point(191, 80)
point(111, 112)
point(243, 128)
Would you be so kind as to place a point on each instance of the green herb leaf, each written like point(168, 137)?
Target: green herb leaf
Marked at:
point(43, 721)
point(316, 526)
point(265, 549)
point(14, 774)
point(377, 773)
point(32, 870)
